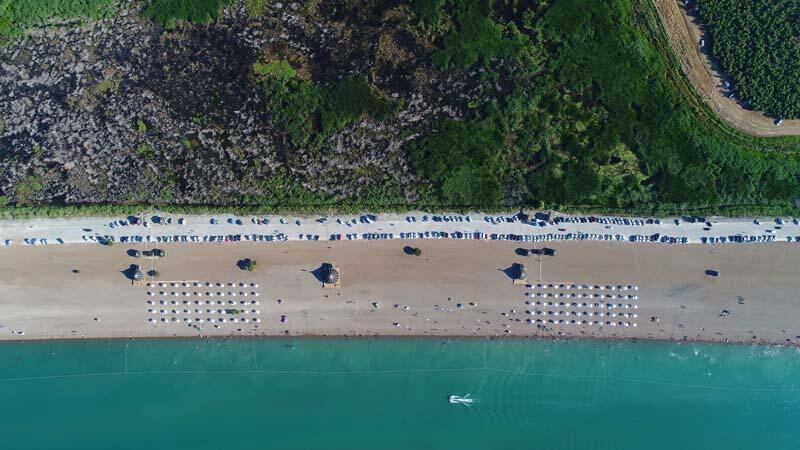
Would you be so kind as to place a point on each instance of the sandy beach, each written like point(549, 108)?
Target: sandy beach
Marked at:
point(43, 298)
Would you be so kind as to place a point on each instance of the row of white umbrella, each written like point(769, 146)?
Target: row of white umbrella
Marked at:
point(589, 305)
point(206, 302)
point(596, 323)
point(607, 287)
point(574, 295)
point(205, 320)
point(582, 313)
point(199, 311)
point(199, 284)
point(201, 294)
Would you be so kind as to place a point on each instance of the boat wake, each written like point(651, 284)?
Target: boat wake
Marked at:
point(462, 400)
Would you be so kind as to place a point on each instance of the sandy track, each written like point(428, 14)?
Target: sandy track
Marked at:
point(683, 33)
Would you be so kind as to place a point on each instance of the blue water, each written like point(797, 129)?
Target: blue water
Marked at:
point(392, 394)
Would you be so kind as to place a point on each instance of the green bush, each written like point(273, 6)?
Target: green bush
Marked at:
point(28, 188)
point(18, 15)
point(290, 102)
point(461, 159)
point(168, 12)
point(255, 7)
point(347, 101)
point(294, 104)
point(477, 37)
point(429, 12)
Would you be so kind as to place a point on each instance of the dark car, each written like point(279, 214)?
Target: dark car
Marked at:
point(547, 251)
point(712, 272)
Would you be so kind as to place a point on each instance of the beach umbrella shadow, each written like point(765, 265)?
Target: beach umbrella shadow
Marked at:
point(511, 271)
point(318, 273)
point(130, 272)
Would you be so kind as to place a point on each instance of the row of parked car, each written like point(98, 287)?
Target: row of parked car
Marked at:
point(657, 237)
point(743, 239)
point(605, 220)
point(425, 218)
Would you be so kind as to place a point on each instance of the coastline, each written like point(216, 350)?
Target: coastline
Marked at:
point(63, 305)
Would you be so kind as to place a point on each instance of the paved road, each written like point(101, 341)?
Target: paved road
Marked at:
point(91, 230)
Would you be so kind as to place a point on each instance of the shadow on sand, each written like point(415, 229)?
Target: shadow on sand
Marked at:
point(130, 272)
point(522, 251)
point(513, 271)
point(318, 273)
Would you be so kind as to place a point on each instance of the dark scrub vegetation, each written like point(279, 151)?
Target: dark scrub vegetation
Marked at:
point(758, 45)
point(602, 124)
point(575, 105)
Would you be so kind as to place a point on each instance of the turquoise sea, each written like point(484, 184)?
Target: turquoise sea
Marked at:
point(392, 394)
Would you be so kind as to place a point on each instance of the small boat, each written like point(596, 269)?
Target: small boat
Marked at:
point(457, 399)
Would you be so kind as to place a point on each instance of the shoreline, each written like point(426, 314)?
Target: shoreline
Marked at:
point(607, 339)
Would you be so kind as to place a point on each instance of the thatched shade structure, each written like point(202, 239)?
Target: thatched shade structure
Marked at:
point(330, 274)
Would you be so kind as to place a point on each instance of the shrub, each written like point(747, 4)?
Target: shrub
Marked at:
point(28, 188)
point(349, 100)
point(461, 159)
point(429, 12)
point(293, 104)
point(417, 251)
point(477, 38)
point(18, 15)
point(168, 12)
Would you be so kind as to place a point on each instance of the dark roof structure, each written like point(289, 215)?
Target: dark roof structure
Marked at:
point(330, 274)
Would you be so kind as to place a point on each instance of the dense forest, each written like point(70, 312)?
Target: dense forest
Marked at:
point(483, 104)
point(758, 45)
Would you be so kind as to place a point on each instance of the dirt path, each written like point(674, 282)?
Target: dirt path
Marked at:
point(684, 33)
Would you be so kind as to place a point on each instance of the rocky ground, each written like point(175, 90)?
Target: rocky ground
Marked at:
point(120, 110)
